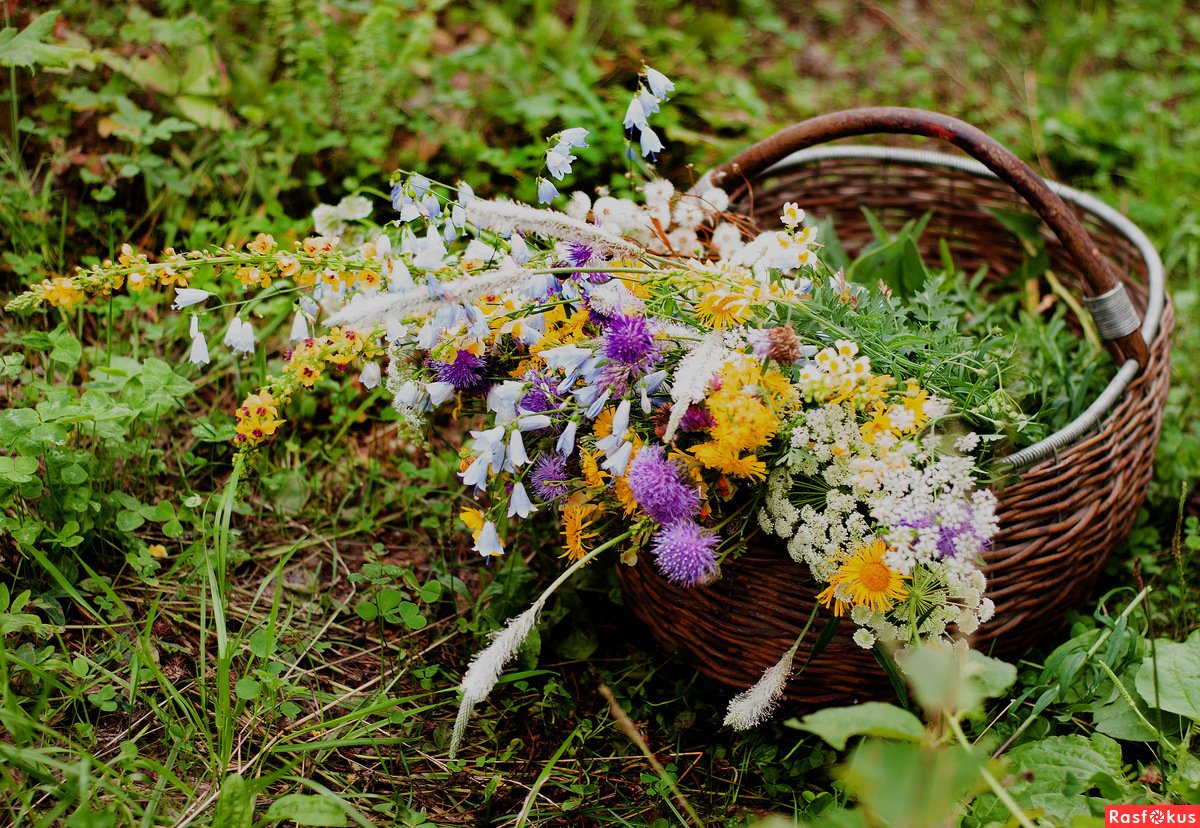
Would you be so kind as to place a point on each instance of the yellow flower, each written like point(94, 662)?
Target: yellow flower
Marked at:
point(157, 551)
point(592, 474)
point(368, 279)
point(262, 244)
point(879, 425)
point(318, 245)
point(474, 520)
point(257, 419)
point(576, 523)
point(714, 455)
point(865, 580)
point(915, 399)
point(720, 308)
point(139, 280)
point(249, 276)
point(62, 293)
point(288, 265)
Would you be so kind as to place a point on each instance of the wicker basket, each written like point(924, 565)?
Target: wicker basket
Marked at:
point(1078, 490)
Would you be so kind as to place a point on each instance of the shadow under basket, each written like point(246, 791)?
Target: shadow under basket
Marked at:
point(1075, 494)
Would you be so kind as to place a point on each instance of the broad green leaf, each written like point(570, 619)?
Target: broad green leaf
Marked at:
point(906, 785)
point(74, 474)
point(235, 804)
point(28, 47)
point(306, 809)
point(247, 688)
point(1177, 665)
point(18, 469)
point(66, 349)
point(127, 521)
point(942, 680)
point(837, 724)
point(1052, 776)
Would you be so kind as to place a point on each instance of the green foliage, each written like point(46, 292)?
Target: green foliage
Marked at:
point(154, 636)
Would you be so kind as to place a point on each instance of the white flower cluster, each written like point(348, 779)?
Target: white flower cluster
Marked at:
point(837, 492)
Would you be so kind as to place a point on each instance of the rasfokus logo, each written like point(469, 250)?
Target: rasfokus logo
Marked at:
point(1151, 815)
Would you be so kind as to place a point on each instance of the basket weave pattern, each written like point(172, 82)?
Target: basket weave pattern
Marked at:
point(1058, 523)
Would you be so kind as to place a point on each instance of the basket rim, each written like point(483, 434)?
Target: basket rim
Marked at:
point(1151, 326)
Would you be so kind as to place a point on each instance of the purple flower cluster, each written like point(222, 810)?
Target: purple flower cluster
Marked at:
point(581, 254)
point(542, 395)
point(465, 372)
point(629, 341)
point(949, 533)
point(658, 485)
point(550, 480)
point(686, 553)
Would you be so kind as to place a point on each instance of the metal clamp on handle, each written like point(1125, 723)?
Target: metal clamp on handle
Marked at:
point(1113, 313)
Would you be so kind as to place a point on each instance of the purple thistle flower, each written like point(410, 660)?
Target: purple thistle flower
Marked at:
point(579, 253)
point(542, 395)
point(629, 341)
point(659, 487)
point(465, 373)
point(550, 477)
point(686, 553)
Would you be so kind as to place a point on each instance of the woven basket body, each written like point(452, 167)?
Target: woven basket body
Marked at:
point(1059, 521)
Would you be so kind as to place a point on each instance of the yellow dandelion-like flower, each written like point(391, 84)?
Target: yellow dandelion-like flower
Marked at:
point(589, 463)
point(714, 455)
point(576, 525)
point(865, 580)
point(721, 309)
point(624, 495)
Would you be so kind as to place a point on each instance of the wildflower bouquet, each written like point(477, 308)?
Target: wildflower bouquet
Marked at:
point(658, 374)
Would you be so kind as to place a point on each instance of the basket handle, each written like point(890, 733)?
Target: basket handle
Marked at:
point(1116, 318)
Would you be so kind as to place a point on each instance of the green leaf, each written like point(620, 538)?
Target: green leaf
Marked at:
point(27, 47)
point(1178, 669)
point(18, 469)
point(235, 804)
point(65, 348)
point(128, 521)
point(306, 809)
point(74, 474)
point(906, 785)
point(247, 688)
point(942, 681)
point(1052, 777)
point(837, 724)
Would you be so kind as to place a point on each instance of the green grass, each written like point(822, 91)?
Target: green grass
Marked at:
point(308, 626)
